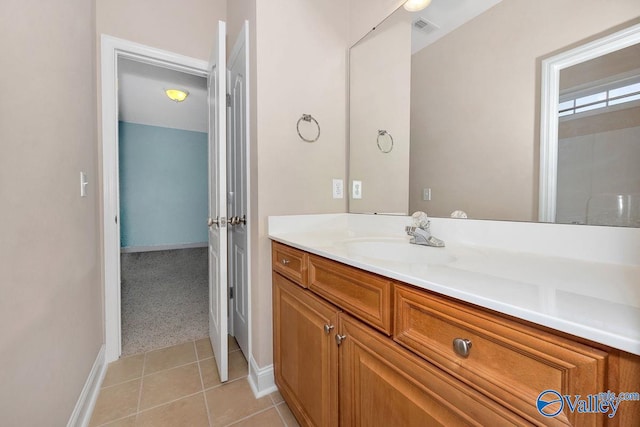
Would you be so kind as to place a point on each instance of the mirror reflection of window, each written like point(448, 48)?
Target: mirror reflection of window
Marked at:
point(599, 141)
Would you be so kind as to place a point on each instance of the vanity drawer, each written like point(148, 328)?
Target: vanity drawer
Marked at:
point(508, 361)
point(364, 295)
point(290, 262)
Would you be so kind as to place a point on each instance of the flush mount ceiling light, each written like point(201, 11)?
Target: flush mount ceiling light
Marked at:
point(416, 5)
point(176, 95)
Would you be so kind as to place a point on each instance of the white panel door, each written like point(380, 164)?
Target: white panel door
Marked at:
point(237, 174)
point(217, 222)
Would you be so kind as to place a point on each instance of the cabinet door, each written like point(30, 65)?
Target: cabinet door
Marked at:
point(382, 384)
point(305, 353)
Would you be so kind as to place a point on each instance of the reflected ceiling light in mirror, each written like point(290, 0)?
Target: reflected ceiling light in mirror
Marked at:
point(176, 95)
point(416, 5)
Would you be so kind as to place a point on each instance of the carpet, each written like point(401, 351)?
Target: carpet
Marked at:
point(164, 297)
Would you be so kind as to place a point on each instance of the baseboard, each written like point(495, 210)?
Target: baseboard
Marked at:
point(131, 249)
point(261, 380)
point(81, 414)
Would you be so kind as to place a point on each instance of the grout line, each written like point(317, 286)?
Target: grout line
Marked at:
point(249, 416)
point(172, 367)
point(168, 402)
point(228, 382)
point(120, 383)
point(144, 365)
point(117, 419)
point(204, 396)
point(280, 414)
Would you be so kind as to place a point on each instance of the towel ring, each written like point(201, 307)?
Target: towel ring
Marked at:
point(383, 132)
point(308, 118)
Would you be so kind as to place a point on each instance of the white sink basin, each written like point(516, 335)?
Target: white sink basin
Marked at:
point(398, 251)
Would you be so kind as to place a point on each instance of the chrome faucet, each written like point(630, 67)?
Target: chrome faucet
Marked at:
point(420, 231)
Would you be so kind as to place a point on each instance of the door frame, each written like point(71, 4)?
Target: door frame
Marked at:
point(113, 48)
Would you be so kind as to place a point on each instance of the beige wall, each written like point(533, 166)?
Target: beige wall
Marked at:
point(186, 27)
point(301, 67)
point(475, 119)
point(50, 286)
point(379, 98)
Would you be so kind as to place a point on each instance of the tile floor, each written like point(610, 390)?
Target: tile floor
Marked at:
point(179, 386)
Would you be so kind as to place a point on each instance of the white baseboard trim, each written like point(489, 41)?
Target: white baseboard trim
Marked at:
point(131, 249)
point(261, 380)
point(81, 414)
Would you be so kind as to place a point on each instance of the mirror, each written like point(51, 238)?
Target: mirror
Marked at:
point(458, 87)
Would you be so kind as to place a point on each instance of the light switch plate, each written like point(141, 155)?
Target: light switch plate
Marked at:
point(338, 188)
point(83, 184)
point(356, 191)
point(426, 194)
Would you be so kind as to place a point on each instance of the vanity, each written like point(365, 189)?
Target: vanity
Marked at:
point(370, 330)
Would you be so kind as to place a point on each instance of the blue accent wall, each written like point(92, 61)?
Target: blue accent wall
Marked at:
point(163, 185)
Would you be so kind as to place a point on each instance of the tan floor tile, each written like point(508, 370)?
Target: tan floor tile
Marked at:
point(169, 357)
point(116, 402)
point(268, 418)
point(123, 370)
point(232, 402)
point(209, 371)
point(203, 348)
point(190, 411)
point(233, 344)
point(238, 367)
point(124, 422)
point(287, 415)
point(169, 385)
point(276, 397)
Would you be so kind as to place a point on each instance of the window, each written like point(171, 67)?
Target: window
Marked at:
point(599, 96)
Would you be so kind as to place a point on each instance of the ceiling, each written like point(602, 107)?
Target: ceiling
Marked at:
point(141, 97)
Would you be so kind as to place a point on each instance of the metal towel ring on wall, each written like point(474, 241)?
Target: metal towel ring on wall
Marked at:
point(308, 118)
point(383, 132)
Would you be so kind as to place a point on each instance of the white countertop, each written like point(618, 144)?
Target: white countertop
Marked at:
point(599, 301)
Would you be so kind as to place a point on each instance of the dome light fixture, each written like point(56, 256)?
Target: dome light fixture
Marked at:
point(176, 95)
point(416, 5)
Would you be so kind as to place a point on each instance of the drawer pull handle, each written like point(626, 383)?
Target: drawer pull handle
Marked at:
point(285, 261)
point(328, 328)
point(340, 338)
point(462, 346)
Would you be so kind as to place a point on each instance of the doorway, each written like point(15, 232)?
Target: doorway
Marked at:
point(162, 175)
point(112, 51)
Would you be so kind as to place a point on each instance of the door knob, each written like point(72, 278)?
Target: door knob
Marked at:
point(235, 220)
point(218, 222)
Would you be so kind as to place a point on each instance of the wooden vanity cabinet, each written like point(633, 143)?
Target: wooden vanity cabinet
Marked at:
point(305, 353)
point(355, 348)
point(382, 384)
